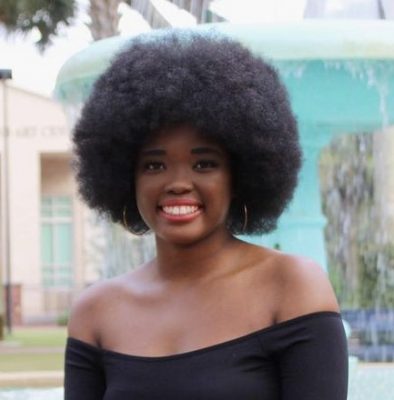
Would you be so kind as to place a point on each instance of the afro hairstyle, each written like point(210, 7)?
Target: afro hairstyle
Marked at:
point(209, 82)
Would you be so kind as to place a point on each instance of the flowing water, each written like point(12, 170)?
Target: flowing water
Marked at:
point(31, 394)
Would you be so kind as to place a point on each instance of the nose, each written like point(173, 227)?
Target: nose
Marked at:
point(179, 182)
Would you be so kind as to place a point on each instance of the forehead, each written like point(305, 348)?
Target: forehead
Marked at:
point(180, 137)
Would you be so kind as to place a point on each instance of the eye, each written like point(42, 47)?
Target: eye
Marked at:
point(153, 166)
point(205, 165)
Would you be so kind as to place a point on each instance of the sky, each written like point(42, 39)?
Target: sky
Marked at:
point(37, 72)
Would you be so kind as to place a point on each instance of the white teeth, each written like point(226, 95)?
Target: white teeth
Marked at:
point(180, 210)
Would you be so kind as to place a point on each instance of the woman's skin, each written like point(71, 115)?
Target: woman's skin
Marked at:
point(205, 286)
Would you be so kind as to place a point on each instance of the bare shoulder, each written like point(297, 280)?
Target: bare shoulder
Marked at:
point(303, 287)
point(85, 316)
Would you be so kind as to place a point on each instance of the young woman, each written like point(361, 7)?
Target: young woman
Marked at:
point(191, 137)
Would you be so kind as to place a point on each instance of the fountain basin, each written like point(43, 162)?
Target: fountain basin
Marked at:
point(340, 77)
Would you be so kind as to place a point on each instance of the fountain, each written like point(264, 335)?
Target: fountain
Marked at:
point(340, 76)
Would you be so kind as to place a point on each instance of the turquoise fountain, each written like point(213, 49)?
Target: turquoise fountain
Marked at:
point(340, 76)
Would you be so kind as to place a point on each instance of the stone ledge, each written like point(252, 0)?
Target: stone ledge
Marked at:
point(31, 379)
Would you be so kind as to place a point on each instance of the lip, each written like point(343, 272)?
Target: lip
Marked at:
point(179, 203)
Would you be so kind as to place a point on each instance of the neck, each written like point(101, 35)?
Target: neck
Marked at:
point(198, 260)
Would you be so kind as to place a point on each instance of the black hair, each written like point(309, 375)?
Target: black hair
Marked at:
point(210, 82)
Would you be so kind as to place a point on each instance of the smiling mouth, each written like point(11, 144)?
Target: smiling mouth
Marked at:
point(180, 210)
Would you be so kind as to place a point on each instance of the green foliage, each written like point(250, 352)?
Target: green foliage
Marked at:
point(361, 265)
point(18, 362)
point(9, 12)
point(33, 349)
point(336, 278)
point(44, 15)
point(38, 337)
point(62, 320)
point(376, 275)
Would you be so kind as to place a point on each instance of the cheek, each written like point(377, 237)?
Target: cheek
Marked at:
point(143, 193)
point(227, 190)
point(145, 184)
point(221, 190)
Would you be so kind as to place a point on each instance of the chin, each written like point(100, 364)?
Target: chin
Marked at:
point(183, 236)
point(181, 239)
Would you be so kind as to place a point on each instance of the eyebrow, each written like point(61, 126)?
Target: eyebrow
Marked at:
point(153, 152)
point(206, 150)
point(196, 150)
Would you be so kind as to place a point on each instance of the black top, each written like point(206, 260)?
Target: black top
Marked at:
point(304, 358)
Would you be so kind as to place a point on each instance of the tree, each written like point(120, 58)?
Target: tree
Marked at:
point(44, 15)
point(104, 17)
point(47, 15)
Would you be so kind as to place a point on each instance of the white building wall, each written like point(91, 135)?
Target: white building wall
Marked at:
point(39, 156)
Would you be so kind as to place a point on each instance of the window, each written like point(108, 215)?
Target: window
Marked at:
point(56, 241)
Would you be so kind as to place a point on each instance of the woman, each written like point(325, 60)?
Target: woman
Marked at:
point(191, 136)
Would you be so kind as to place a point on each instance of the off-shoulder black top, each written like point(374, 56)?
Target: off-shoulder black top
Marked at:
point(304, 358)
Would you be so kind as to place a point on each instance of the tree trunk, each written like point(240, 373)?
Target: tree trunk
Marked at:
point(104, 18)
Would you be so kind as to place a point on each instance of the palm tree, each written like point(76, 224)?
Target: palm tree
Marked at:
point(104, 17)
point(48, 15)
point(44, 15)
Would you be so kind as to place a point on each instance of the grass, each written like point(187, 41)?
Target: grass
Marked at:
point(31, 362)
point(33, 349)
point(37, 337)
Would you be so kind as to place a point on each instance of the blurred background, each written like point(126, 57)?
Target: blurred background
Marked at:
point(52, 246)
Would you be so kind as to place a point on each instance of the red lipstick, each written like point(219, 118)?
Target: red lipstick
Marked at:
point(180, 210)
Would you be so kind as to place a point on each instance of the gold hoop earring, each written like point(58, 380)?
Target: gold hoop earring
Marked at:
point(127, 227)
point(244, 226)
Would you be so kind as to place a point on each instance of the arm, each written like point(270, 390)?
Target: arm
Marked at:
point(313, 359)
point(84, 376)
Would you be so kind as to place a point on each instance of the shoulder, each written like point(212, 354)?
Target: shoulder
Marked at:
point(302, 287)
point(86, 311)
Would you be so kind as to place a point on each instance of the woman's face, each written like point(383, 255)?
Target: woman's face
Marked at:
point(183, 186)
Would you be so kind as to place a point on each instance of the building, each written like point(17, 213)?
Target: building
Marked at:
point(46, 253)
point(56, 247)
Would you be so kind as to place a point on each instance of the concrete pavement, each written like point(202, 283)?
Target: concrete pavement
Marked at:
point(31, 379)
